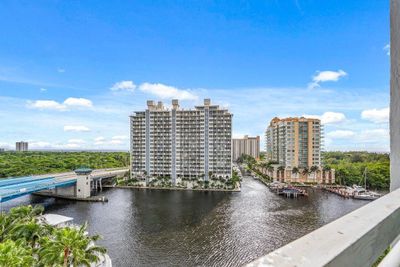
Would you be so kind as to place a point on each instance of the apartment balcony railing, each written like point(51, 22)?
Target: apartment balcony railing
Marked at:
point(356, 239)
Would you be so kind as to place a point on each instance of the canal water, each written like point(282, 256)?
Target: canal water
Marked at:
point(185, 228)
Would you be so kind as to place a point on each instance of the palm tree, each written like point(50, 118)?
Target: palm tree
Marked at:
point(305, 171)
point(16, 254)
point(70, 246)
point(25, 212)
point(295, 171)
point(29, 231)
point(313, 170)
point(281, 169)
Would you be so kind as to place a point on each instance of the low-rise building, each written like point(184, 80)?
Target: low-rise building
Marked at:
point(246, 145)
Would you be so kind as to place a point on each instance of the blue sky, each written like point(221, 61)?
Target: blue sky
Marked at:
point(71, 72)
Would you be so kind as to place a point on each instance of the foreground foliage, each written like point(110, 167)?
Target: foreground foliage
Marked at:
point(27, 241)
point(13, 164)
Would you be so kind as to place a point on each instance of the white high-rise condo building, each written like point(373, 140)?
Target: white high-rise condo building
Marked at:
point(295, 142)
point(177, 143)
point(21, 146)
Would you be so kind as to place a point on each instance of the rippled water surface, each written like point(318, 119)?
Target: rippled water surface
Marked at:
point(184, 228)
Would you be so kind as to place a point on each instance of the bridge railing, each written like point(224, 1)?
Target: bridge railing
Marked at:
point(356, 239)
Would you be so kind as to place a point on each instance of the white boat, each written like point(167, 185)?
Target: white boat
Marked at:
point(362, 192)
point(367, 196)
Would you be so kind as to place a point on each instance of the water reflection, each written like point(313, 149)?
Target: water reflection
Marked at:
point(184, 228)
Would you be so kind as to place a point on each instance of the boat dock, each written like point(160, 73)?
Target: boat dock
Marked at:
point(341, 191)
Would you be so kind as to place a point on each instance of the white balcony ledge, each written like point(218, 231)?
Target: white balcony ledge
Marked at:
point(356, 239)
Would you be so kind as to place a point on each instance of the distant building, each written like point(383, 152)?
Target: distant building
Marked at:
point(181, 143)
point(246, 145)
point(21, 146)
point(2, 149)
point(295, 142)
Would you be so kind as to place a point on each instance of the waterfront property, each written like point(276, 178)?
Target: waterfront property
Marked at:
point(295, 145)
point(246, 145)
point(176, 144)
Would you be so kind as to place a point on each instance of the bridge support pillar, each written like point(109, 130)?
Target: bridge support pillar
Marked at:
point(83, 186)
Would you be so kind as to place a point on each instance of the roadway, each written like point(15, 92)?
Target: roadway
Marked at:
point(11, 188)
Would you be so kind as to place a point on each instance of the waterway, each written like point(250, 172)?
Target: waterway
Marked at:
point(185, 228)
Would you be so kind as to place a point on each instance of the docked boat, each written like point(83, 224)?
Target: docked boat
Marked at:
point(367, 195)
point(362, 193)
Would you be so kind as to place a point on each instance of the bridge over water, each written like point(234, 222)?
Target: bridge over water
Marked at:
point(64, 184)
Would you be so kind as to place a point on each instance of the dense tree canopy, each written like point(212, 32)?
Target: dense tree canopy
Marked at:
point(350, 167)
point(13, 164)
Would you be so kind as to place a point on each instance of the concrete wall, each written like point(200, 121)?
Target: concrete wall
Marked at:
point(395, 94)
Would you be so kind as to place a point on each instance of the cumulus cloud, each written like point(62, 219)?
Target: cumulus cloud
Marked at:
point(68, 104)
point(118, 139)
point(78, 102)
point(123, 86)
point(76, 128)
point(340, 134)
point(158, 89)
point(329, 117)
point(325, 76)
point(46, 104)
point(387, 49)
point(166, 92)
point(374, 135)
point(376, 115)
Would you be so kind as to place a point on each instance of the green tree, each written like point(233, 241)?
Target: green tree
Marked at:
point(16, 254)
point(70, 246)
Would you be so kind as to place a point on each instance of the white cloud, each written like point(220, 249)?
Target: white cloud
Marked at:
point(119, 137)
point(39, 145)
point(376, 115)
point(387, 49)
point(76, 128)
point(46, 104)
point(60, 70)
point(329, 117)
point(78, 102)
point(374, 135)
point(166, 92)
point(68, 104)
point(99, 139)
point(43, 89)
point(123, 86)
point(340, 134)
point(326, 76)
point(76, 141)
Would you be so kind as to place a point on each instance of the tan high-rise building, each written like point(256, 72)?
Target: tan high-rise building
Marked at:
point(21, 146)
point(246, 145)
point(295, 142)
